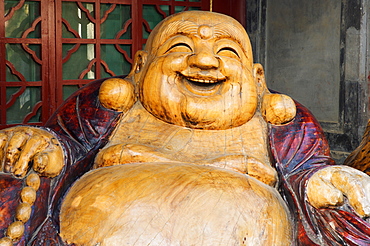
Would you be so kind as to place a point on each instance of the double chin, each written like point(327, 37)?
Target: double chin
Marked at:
point(214, 113)
point(214, 106)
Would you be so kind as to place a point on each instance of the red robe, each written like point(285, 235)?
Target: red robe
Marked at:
point(83, 126)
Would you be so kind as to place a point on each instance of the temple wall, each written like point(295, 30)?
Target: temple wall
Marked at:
point(318, 53)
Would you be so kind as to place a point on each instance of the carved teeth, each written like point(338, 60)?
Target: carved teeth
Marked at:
point(208, 81)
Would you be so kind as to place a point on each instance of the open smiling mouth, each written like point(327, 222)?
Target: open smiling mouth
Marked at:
point(203, 86)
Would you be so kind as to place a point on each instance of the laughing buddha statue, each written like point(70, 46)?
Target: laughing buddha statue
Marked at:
point(191, 148)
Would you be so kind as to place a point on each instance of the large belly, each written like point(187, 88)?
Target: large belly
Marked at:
point(173, 204)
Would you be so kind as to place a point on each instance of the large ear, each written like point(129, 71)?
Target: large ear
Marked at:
point(138, 65)
point(259, 79)
point(276, 109)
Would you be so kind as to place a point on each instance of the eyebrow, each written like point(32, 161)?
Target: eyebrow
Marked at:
point(176, 28)
point(185, 27)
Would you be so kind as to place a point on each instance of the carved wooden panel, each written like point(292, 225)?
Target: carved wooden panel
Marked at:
point(23, 58)
point(49, 49)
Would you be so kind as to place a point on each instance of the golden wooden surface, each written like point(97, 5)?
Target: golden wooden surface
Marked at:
point(360, 157)
point(141, 137)
point(189, 162)
point(24, 144)
point(198, 132)
point(117, 94)
point(173, 204)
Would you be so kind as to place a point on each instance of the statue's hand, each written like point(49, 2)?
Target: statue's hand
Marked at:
point(22, 145)
point(328, 187)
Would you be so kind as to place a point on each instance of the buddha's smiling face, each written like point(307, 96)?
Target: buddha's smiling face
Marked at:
point(197, 72)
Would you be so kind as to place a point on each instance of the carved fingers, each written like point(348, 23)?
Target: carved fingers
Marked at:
point(128, 153)
point(355, 185)
point(328, 187)
point(49, 163)
point(33, 146)
point(246, 165)
point(20, 146)
point(321, 193)
point(13, 148)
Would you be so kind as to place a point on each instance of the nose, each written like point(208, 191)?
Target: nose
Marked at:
point(204, 60)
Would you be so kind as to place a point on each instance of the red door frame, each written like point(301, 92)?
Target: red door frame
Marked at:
point(235, 8)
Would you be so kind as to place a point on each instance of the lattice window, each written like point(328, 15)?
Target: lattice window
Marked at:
point(22, 83)
point(48, 49)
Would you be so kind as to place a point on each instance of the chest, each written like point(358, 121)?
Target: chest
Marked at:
point(183, 144)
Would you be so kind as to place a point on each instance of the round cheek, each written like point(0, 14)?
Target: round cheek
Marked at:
point(250, 97)
point(157, 88)
point(230, 67)
point(248, 85)
point(162, 70)
point(152, 80)
point(175, 62)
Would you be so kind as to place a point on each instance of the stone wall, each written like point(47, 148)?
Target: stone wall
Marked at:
point(318, 53)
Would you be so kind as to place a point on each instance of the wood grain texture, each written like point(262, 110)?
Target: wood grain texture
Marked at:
point(190, 149)
point(360, 157)
point(141, 137)
point(173, 204)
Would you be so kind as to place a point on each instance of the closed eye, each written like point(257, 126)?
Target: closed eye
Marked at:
point(226, 50)
point(180, 47)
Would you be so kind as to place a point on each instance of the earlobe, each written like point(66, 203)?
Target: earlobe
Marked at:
point(117, 94)
point(276, 109)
